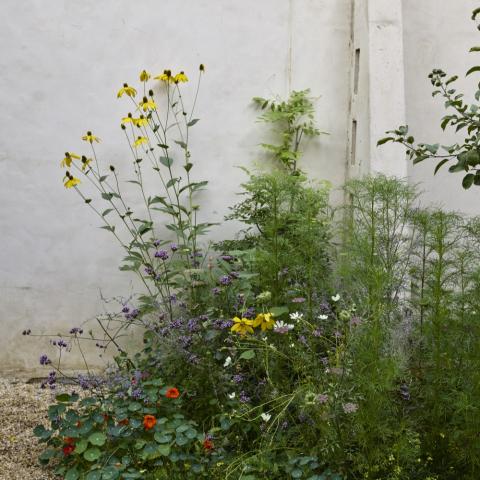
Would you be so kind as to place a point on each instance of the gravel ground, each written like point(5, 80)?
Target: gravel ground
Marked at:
point(22, 407)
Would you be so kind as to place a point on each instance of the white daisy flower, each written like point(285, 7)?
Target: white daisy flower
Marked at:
point(336, 298)
point(231, 396)
point(323, 317)
point(266, 417)
point(228, 362)
point(282, 327)
point(296, 316)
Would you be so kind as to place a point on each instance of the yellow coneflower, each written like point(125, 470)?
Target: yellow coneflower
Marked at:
point(71, 180)
point(147, 104)
point(90, 137)
point(140, 122)
point(144, 76)
point(166, 76)
point(139, 141)
point(180, 77)
point(130, 91)
point(85, 162)
point(128, 119)
point(67, 161)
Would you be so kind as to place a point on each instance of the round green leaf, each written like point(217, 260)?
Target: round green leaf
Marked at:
point(97, 438)
point(92, 454)
point(72, 474)
point(94, 475)
point(81, 446)
point(164, 450)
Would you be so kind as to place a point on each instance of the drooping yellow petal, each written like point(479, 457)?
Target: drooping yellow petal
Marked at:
point(127, 90)
point(89, 137)
point(180, 77)
point(144, 76)
point(139, 141)
point(71, 182)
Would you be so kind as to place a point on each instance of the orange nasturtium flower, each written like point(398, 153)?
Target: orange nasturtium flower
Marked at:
point(144, 76)
point(180, 77)
point(172, 393)
point(242, 326)
point(130, 91)
point(265, 321)
point(67, 161)
point(90, 137)
point(208, 444)
point(149, 421)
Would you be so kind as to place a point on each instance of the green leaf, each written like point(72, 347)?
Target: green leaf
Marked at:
point(164, 450)
point(161, 437)
point(278, 311)
point(97, 438)
point(94, 475)
point(92, 454)
point(419, 158)
point(102, 178)
point(467, 181)
point(72, 474)
point(63, 398)
point(473, 70)
point(110, 228)
point(134, 406)
point(440, 164)
point(191, 123)
point(81, 446)
point(181, 143)
point(107, 211)
point(172, 182)
point(248, 355)
point(384, 140)
point(167, 161)
point(433, 149)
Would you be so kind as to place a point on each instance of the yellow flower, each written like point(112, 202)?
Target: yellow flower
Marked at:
point(144, 76)
point(89, 137)
point(140, 122)
point(139, 141)
point(67, 161)
point(85, 162)
point(242, 326)
point(128, 119)
point(265, 321)
point(147, 104)
point(166, 76)
point(180, 77)
point(71, 180)
point(130, 91)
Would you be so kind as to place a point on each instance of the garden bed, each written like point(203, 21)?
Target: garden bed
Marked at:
point(22, 406)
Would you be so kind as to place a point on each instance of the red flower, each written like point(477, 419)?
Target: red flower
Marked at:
point(208, 444)
point(68, 449)
point(149, 422)
point(172, 393)
point(125, 421)
point(69, 440)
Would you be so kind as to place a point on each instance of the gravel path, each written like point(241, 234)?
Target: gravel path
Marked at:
point(22, 407)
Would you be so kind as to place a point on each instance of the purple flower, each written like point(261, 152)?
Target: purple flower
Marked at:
point(243, 397)
point(26, 332)
point(322, 398)
point(234, 275)
point(298, 300)
point(227, 258)
point(173, 247)
point(125, 309)
point(162, 254)
point(137, 393)
point(355, 321)
point(76, 330)
point(215, 291)
point(350, 407)
point(149, 271)
point(44, 360)
point(225, 280)
point(157, 243)
point(238, 378)
point(317, 332)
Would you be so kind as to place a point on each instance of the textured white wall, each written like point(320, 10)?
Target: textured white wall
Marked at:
point(438, 35)
point(63, 61)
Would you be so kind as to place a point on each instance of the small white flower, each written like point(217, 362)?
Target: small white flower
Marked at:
point(231, 396)
point(323, 317)
point(296, 316)
point(292, 345)
point(336, 298)
point(228, 362)
point(266, 417)
point(282, 327)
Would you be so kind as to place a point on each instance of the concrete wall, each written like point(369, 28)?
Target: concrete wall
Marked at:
point(63, 61)
point(438, 35)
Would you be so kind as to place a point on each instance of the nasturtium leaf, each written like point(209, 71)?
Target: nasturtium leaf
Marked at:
point(92, 454)
point(81, 446)
point(94, 475)
point(72, 474)
point(162, 437)
point(164, 450)
point(134, 406)
point(97, 438)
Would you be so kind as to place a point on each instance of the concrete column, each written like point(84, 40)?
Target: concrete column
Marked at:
point(386, 83)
